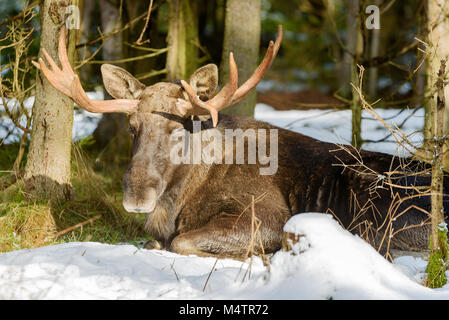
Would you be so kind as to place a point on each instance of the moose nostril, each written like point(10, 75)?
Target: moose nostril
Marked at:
point(146, 204)
point(134, 209)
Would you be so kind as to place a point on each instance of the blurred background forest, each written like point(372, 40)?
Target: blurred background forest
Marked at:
point(312, 70)
point(166, 40)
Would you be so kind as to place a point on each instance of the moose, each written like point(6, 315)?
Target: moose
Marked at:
point(209, 209)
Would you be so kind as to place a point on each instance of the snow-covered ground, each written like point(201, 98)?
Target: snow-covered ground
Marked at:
point(329, 261)
point(335, 126)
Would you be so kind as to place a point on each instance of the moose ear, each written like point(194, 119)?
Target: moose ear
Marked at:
point(119, 83)
point(205, 81)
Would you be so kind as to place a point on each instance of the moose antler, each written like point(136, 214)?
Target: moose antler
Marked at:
point(229, 94)
point(68, 83)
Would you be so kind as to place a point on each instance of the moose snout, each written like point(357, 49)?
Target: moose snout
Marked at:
point(141, 202)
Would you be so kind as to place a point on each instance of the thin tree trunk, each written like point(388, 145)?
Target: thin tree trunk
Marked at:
point(112, 128)
point(87, 10)
point(182, 39)
point(242, 37)
point(355, 48)
point(436, 267)
point(342, 68)
point(47, 172)
point(438, 40)
point(351, 36)
point(438, 27)
point(437, 165)
point(374, 52)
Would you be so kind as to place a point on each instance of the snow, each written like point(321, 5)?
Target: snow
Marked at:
point(328, 262)
point(335, 126)
point(84, 122)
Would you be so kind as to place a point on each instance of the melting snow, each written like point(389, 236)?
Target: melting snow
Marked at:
point(327, 262)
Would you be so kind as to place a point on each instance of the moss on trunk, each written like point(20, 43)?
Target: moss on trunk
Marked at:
point(47, 172)
point(436, 277)
point(182, 39)
point(437, 264)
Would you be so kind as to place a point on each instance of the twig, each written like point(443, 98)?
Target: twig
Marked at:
point(110, 34)
point(78, 225)
point(84, 61)
point(151, 74)
point(139, 41)
point(145, 56)
point(21, 14)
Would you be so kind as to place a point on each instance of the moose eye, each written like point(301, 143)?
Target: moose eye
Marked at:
point(132, 130)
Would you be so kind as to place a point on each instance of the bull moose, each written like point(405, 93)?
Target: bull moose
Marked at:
point(206, 209)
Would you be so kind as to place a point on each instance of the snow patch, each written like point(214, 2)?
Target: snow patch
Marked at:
point(327, 263)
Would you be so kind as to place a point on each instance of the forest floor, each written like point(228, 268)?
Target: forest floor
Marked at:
point(105, 259)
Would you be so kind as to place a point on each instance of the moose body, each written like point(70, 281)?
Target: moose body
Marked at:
point(220, 208)
point(206, 209)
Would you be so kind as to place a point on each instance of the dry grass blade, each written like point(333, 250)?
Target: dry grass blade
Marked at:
point(210, 273)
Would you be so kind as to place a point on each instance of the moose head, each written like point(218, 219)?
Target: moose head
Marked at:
point(154, 112)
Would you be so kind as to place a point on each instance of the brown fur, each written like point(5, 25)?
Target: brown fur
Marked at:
point(204, 209)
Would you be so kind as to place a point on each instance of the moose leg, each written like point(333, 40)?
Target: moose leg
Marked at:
point(229, 236)
point(153, 244)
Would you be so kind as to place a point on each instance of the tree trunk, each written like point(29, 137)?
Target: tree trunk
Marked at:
point(242, 37)
point(342, 68)
point(182, 39)
point(211, 26)
point(438, 241)
point(355, 48)
point(438, 40)
point(374, 53)
point(47, 172)
point(87, 10)
point(112, 130)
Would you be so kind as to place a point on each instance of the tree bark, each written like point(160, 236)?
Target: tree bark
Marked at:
point(436, 266)
point(242, 37)
point(374, 53)
point(438, 40)
point(87, 10)
point(113, 126)
point(182, 39)
point(47, 172)
point(437, 165)
point(355, 48)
